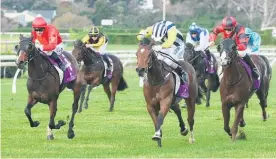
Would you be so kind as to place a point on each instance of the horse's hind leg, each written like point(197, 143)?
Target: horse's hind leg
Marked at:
point(177, 111)
point(87, 96)
point(83, 90)
point(114, 85)
point(208, 94)
point(263, 102)
point(108, 93)
point(71, 133)
point(53, 110)
point(191, 112)
point(28, 112)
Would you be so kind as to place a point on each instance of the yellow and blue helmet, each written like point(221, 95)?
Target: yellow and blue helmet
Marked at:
point(94, 31)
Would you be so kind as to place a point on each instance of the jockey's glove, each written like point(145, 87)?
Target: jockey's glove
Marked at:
point(156, 48)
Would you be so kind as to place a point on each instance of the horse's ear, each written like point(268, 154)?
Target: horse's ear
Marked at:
point(21, 37)
point(16, 49)
point(31, 37)
point(219, 48)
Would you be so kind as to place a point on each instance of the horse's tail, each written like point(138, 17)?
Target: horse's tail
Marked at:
point(122, 84)
point(269, 69)
point(216, 83)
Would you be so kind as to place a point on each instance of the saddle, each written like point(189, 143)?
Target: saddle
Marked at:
point(70, 73)
point(256, 82)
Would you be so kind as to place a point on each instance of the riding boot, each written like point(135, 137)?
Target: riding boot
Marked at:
point(107, 61)
point(183, 74)
point(55, 57)
point(255, 71)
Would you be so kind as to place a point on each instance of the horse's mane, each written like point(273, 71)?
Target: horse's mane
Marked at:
point(189, 45)
point(145, 41)
point(78, 43)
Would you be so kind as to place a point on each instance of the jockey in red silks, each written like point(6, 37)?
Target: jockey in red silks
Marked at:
point(231, 29)
point(48, 39)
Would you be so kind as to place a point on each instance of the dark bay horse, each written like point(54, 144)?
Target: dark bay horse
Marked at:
point(198, 61)
point(159, 90)
point(237, 86)
point(93, 70)
point(43, 84)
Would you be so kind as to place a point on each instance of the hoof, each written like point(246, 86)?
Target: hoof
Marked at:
point(184, 105)
point(85, 106)
point(80, 110)
point(50, 137)
point(35, 124)
point(207, 105)
point(241, 136)
point(71, 135)
point(61, 122)
point(156, 138)
point(191, 140)
point(185, 132)
point(111, 109)
point(242, 124)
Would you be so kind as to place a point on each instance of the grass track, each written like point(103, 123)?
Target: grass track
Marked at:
point(127, 131)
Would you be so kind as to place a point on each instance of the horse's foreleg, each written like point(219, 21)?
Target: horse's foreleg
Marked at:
point(238, 116)
point(71, 133)
point(53, 110)
point(28, 112)
point(87, 96)
point(82, 95)
point(191, 113)
point(177, 111)
point(226, 117)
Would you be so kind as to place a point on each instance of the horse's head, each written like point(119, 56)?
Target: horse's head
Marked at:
point(143, 54)
point(81, 53)
point(228, 51)
point(78, 51)
point(189, 52)
point(25, 50)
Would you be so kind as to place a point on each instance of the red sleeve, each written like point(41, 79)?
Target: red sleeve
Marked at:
point(241, 40)
point(215, 32)
point(53, 38)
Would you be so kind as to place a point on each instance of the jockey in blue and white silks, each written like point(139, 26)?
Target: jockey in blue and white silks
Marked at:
point(199, 37)
point(254, 41)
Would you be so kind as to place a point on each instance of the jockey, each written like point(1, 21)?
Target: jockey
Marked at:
point(48, 39)
point(254, 41)
point(199, 37)
point(231, 29)
point(170, 41)
point(97, 41)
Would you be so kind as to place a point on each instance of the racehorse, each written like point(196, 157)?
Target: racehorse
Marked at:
point(93, 71)
point(44, 83)
point(203, 70)
point(159, 89)
point(238, 85)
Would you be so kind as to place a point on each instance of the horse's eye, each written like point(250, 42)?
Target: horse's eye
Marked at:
point(30, 47)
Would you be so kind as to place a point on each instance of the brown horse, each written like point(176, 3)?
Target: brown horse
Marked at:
point(159, 90)
point(237, 86)
point(44, 84)
point(92, 72)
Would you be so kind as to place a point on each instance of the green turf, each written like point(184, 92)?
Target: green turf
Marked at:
point(127, 131)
